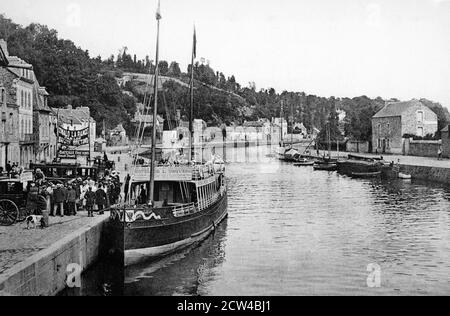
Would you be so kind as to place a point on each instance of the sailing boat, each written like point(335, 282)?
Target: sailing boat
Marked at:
point(327, 163)
point(186, 200)
point(288, 154)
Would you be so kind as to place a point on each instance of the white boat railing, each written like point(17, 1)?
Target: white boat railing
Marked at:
point(184, 210)
point(177, 172)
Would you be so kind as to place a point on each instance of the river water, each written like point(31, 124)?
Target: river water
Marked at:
point(295, 231)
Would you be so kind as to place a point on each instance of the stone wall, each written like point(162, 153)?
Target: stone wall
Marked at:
point(45, 273)
point(357, 146)
point(446, 144)
point(441, 175)
point(422, 148)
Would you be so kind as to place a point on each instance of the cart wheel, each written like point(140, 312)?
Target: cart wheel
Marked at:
point(9, 212)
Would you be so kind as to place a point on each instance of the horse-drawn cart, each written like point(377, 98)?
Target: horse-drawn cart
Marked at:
point(13, 200)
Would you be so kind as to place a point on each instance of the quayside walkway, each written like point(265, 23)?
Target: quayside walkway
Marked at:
point(29, 259)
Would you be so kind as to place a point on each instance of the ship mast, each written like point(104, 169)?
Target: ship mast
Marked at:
point(281, 123)
point(191, 100)
point(155, 112)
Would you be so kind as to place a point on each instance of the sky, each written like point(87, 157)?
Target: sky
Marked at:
point(341, 48)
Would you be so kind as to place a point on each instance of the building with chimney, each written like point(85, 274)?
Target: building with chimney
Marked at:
point(398, 120)
point(44, 126)
point(17, 82)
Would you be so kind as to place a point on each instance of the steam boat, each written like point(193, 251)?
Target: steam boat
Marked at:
point(174, 201)
point(190, 202)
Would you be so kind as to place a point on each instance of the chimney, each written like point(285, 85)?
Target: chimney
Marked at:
point(4, 47)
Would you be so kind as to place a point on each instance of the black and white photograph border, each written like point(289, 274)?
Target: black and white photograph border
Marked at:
point(224, 148)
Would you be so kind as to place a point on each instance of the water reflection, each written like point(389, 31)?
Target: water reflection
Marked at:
point(294, 231)
point(183, 273)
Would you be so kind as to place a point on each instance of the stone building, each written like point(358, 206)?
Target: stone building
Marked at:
point(398, 119)
point(75, 122)
point(118, 136)
point(9, 136)
point(17, 84)
point(44, 123)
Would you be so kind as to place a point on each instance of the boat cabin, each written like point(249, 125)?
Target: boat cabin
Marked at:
point(176, 186)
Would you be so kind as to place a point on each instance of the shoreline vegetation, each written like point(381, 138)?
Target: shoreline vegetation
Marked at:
point(73, 77)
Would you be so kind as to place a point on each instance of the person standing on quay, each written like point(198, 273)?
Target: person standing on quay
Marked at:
point(90, 201)
point(59, 199)
point(71, 201)
point(8, 168)
point(100, 197)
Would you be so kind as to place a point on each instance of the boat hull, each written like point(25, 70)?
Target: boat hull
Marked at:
point(366, 174)
point(350, 167)
point(325, 166)
point(304, 164)
point(150, 240)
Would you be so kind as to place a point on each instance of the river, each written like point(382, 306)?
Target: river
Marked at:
point(295, 231)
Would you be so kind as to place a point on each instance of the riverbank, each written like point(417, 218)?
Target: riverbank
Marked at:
point(35, 262)
point(420, 168)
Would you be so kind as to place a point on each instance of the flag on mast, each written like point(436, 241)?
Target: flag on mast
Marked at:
point(194, 49)
point(158, 11)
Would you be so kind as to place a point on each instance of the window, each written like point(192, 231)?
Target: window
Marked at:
point(2, 96)
point(419, 116)
point(21, 98)
point(388, 128)
point(379, 129)
point(388, 143)
point(420, 131)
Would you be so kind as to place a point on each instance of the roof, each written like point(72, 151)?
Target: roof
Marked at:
point(119, 128)
point(3, 53)
point(77, 115)
point(147, 118)
point(39, 93)
point(397, 108)
point(3, 59)
point(445, 129)
point(254, 124)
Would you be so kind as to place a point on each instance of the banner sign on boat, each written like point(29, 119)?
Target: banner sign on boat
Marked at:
point(164, 174)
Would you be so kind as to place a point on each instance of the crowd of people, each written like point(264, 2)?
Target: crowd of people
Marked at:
point(67, 199)
point(12, 169)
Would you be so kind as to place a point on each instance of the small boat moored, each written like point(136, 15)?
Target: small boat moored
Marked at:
point(325, 166)
point(303, 162)
point(404, 176)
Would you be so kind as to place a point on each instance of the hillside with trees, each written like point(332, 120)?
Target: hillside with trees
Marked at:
point(72, 76)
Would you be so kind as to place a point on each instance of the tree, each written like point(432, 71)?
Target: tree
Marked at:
point(174, 70)
point(163, 67)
